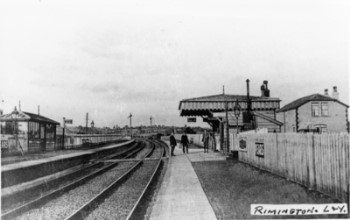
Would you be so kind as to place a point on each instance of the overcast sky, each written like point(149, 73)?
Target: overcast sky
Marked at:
point(112, 58)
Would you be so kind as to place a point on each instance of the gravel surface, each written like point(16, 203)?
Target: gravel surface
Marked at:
point(39, 191)
point(143, 153)
point(151, 197)
point(232, 186)
point(120, 203)
point(64, 205)
point(157, 153)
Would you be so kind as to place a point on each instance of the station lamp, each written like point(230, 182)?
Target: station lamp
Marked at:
point(92, 126)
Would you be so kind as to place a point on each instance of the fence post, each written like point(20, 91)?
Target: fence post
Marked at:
point(348, 200)
point(277, 154)
point(313, 185)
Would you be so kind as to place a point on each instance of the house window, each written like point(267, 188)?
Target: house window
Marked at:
point(324, 107)
point(315, 108)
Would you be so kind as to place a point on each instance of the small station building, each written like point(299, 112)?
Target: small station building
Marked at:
point(27, 132)
point(244, 112)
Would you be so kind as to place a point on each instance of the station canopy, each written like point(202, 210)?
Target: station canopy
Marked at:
point(206, 106)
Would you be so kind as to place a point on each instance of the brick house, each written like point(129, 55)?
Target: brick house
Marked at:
point(315, 113)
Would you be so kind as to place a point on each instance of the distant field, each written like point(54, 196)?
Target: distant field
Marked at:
point(232, 186)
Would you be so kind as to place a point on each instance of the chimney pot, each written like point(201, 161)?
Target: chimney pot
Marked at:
point(335, 93)
point(326, 92)
point(265, 83)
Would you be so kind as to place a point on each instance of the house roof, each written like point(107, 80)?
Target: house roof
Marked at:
point(314, 97)
point(26, 116)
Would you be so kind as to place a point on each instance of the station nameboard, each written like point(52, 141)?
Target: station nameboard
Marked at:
point(191, 120)
point(68, 121)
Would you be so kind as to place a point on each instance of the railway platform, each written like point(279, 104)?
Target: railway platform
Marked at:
point(181, 195)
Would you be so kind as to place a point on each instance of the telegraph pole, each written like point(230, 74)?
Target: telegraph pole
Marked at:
point(64, 128)
point(130, 118)
point(87, 121)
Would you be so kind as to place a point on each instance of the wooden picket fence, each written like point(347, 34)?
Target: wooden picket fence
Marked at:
point(317, 161)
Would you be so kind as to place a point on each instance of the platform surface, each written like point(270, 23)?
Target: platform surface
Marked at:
point(18, 165)
point(181, 195)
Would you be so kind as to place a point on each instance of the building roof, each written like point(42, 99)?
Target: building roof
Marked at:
point(274, 121)
point(206, 105)
point(26, 116)
point(227, 97)
point(314, 97)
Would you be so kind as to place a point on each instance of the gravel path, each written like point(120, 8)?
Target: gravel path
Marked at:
point(120, 203)
point(64, 205)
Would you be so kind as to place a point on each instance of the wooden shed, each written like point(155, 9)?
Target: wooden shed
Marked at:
point(27, 132)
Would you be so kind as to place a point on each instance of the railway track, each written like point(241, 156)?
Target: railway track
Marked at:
point(123, 180)
point(20, 202)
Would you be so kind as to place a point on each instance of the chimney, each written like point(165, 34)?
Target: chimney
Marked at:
point(247, 88)
point(262, 88)
point(267, 91)
point(335, 93)
point(326, 92)
point(38, 109)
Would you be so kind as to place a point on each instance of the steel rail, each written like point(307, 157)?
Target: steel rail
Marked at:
point(89, 206)
point(138, 202)
point(93, 163)
point(51, 195)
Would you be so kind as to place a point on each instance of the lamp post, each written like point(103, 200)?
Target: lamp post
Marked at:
point(237, 112)
point(92, 126)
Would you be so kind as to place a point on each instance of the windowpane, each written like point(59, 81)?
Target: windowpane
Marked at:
point(50, 132)
point(315, 108)
point(7, 127)
point(325, 109)
point(33, 133)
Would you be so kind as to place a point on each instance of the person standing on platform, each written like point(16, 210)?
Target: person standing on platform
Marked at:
point(172, 144)
point(184, 142)
point(205, 141)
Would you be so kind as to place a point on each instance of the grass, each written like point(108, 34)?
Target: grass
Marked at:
point(232, 186)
